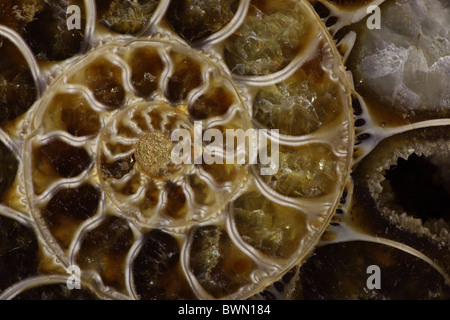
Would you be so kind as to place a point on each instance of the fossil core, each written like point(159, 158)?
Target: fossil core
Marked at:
point(153, 154)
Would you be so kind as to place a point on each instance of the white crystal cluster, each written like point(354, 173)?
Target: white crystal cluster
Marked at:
point(407, 61)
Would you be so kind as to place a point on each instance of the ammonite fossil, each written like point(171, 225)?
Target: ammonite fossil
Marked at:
point(95, 96)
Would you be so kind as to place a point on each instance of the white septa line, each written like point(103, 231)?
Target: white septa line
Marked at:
point(91, 14)
point(269, 263)
point(14, 146)
point(229, 28)
point(115, 156)
point(185, 266)
point(16, 289)
point(311, 207)
point(16, 215)
point(156, 17)
point(287, 71)
point(345, 234)
point(378, 134)
point(347, 43)
point(348, 17)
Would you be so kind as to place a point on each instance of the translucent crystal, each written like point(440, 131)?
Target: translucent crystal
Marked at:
point(265, 43)
point(175, 207)
point(146, 66)
point(308, 171)
point(186, 77)
point(105, 248)
point(407, 62)
point(293, 107)
point(438, 81)
point(203, 195)
point(220, 267)
point(197, 19)
point(15, 14)
point(104, 79)
point(390, 60)
point(157, 270)
point(270, 227)
point(349, 3)
point(109, 93)
point(126, 17)
point(215, 102)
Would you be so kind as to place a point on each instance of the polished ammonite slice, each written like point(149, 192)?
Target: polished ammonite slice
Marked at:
point(96, 176)
point(116, 174)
